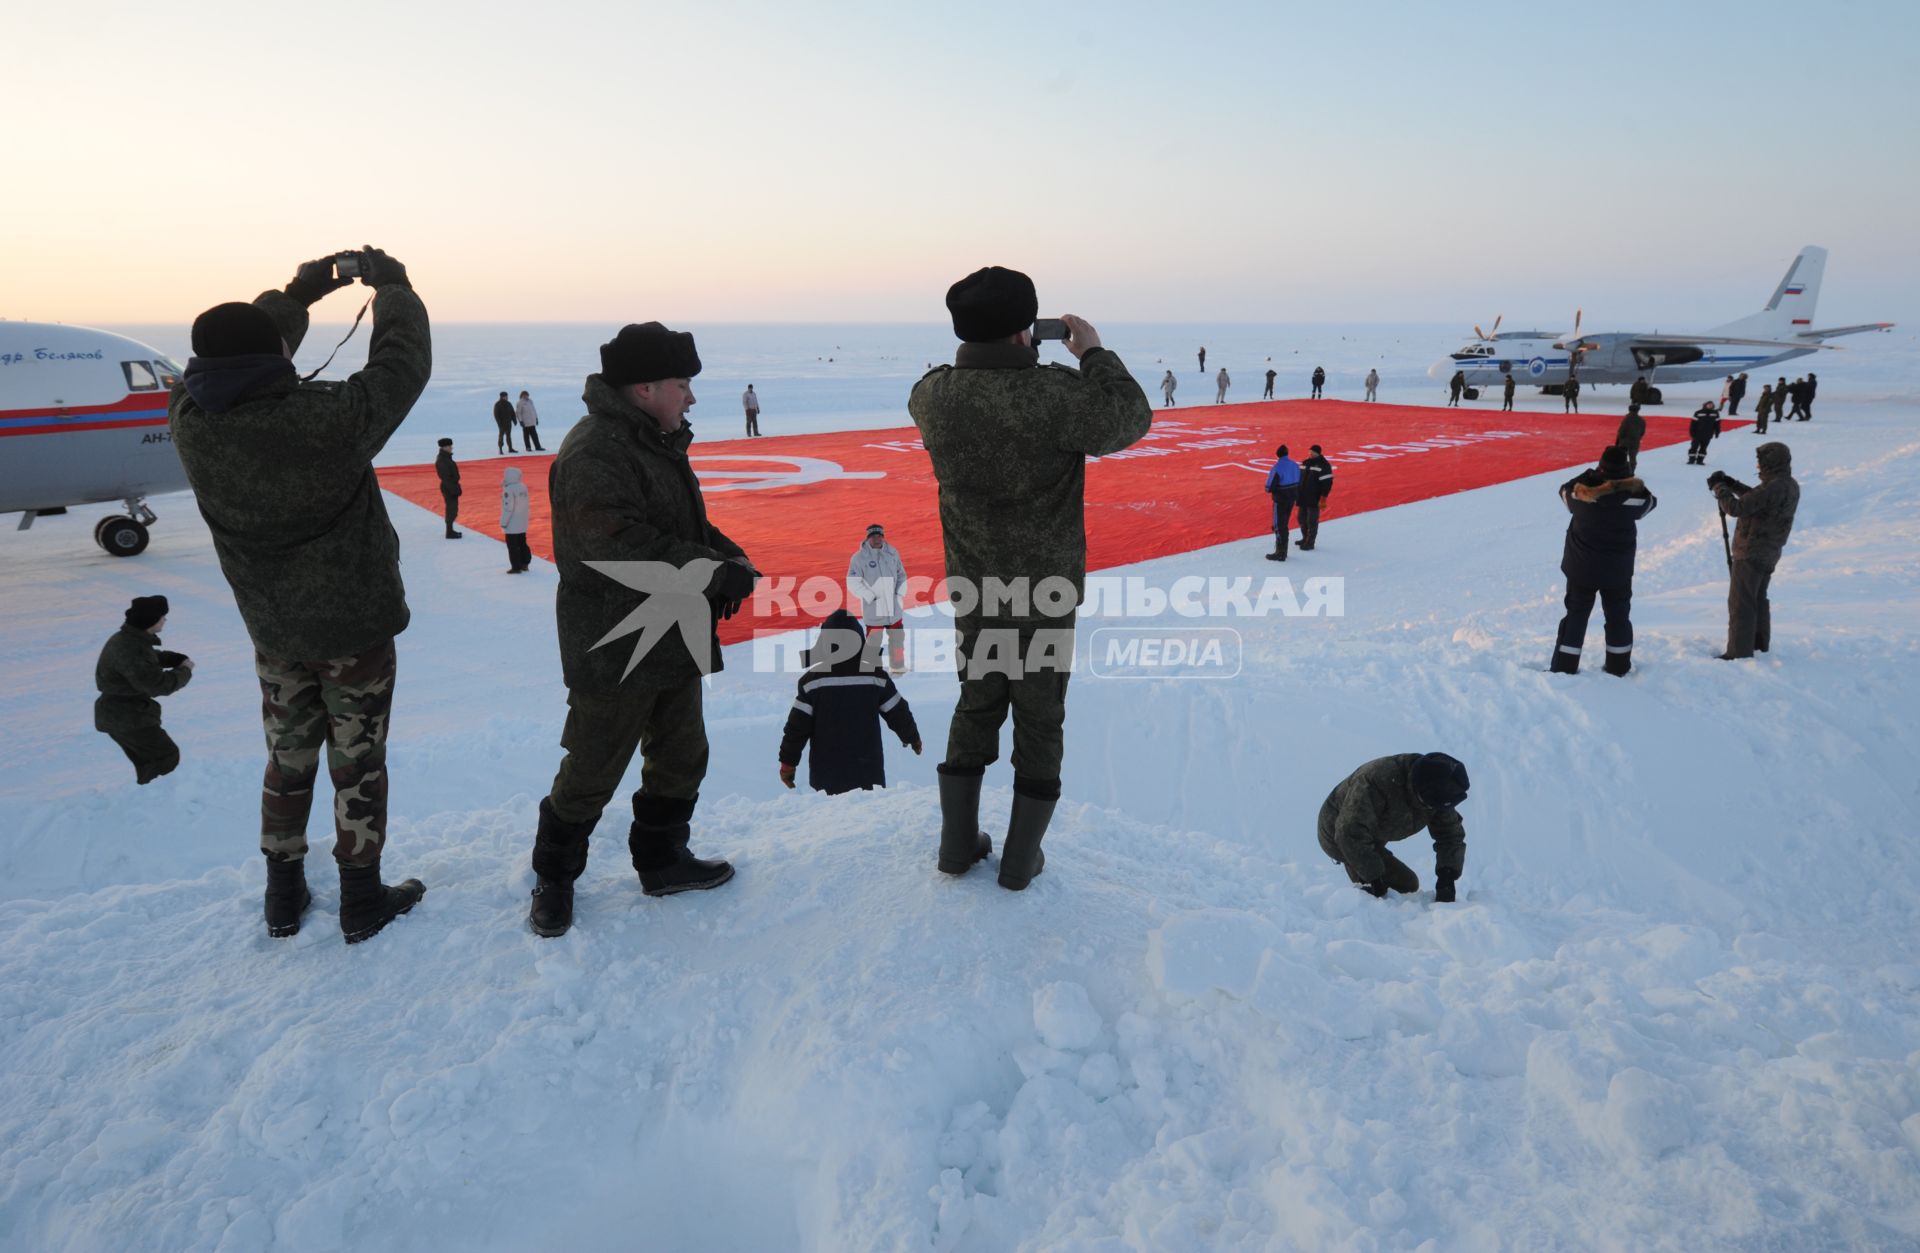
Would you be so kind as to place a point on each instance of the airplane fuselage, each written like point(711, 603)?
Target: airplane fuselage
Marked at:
point(1536, 362)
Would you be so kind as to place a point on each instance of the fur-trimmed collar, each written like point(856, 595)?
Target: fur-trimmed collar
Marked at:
point(1593, 492)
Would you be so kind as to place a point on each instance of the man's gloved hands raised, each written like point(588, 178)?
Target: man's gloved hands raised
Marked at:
point(1715, 479)
point(313, 280)
point(383, 271)
point(1443, 889)
point(731, 584)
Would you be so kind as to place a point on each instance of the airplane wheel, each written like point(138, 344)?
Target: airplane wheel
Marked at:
point(123, 537)
point(99, 530)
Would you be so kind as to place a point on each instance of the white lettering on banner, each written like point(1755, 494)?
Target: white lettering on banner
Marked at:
point(799, 472)
point(1378, 452)
point(898, 445)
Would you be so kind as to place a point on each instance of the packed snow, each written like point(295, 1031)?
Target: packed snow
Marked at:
point(1677, 1005)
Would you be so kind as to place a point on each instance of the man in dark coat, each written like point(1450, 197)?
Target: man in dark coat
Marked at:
point(638, 559)
point(1009, 441)
point(1782, 394)
point(1272, 374)
point(1766, 519)
point(1607, 503)
point(1627, 436)
point(1319, 381)
point(1805, 401)
point(1570, 396)
point(1703, 430)
point(1637, 394)
point(282, 470)
point(133, 669)
point(1316, 484)
point(843, 697)
point(503, 418)
point(1456, 385)
point(1392, 798)
point(449, 472)
point(1283, 486)
point(1763, 409)
point(1506, 395)
point(1735, 394)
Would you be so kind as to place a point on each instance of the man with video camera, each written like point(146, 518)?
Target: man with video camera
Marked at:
point(1766, 519)
point(282, 470)
point(1009, 440)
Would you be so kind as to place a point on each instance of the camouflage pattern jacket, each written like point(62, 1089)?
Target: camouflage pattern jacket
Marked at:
point(1376, 805)
point(130, 673)
point(1765, 512)
point(622, 489)
point(283, 473)
point(1009, 440)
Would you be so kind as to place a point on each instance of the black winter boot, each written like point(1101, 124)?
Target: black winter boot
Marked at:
point(962, 842)
point(366, 904)
point(287, 896)
point(1021, 860)
point(559, 856)
point(658, 843)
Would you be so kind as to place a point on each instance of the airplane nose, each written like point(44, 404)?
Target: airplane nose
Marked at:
point(1443, 368)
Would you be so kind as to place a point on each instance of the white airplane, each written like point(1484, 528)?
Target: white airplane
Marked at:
point(1779, 332)
point(83, 418)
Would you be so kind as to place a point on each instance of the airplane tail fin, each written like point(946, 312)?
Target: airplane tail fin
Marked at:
point(1791, 309)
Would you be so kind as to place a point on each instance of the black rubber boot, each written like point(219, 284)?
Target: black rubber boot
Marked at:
point(1021, 860)
point(366, 904)
point(962, 842)
point(559, 857)
point(658, 843)
point(287, 896)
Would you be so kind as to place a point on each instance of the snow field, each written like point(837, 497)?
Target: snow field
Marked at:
point(1675, 1007)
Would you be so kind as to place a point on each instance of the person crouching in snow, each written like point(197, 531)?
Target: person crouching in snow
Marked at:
point(132, 670)
point(515, 508)
point(842, 697)
point(877, 581)
point(1392, 798)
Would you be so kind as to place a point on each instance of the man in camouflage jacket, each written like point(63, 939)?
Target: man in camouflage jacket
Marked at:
point(1392, 798)
point(1009, 439)
point(644, 576)
point(1766, 519)
point(282, 471)
point(132, 670)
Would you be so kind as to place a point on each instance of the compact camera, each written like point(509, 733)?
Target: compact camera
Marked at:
point(1049, 328)
point(351, 265)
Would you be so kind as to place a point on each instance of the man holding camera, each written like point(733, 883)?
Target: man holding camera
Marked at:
point(1009, 439)
point(1766, 519)
point(282, 471)
point(644, 576)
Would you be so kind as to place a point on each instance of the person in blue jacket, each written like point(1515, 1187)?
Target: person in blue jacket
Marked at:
point(1283, 484)
point(1607, 503)
point(843, 697)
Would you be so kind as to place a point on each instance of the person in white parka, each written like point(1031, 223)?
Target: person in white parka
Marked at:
point(877, 580)
point(516, 507)
point(529, 418)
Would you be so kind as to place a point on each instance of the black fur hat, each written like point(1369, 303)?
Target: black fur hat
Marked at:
point(646, 352)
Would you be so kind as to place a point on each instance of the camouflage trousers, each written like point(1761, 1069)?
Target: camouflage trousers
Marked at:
point(668, 727)
point(341, 705)
point(1022, 671)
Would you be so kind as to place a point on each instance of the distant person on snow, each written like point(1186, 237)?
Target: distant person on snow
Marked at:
point(622, 490)
point(836, 715)
point(1797, 400)
point(1781, 394)
point(877, 580)
point(503, 420)
point(1283, 485)
point(1703, 430)
point(1203, 361)
point(133, 669)
point(516, 506)
point(1373, 384)
point(1763, 409)
point(449, 475)
point(1272, 374)
point(1806, 396)
point(1766, 519)
point(1506, 395)
point(1637, 394)
point(1570, 395)
point(1319, 381)
point(1456, 385)
point(750, 402)
point(283, 473)
point(1221, 382)
point(1627, 436)
point(1316, 484)
point(1735, 395)
point(1726, 392)
point(1167, 385)
point(1607, 503)
point(529, 419)
point(1392, 798)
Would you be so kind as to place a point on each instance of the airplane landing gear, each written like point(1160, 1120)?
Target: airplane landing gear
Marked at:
point(122, 536)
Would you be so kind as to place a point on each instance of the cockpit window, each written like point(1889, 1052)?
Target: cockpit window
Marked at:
point(169, 373)
point(140, 376)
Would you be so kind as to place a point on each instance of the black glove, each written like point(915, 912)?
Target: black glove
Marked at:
point(1715, 479)
point(1443, 889)
point(313, 280)
point(383, 271)
point(732, 583)
point(1377, 888)
point(170, 659)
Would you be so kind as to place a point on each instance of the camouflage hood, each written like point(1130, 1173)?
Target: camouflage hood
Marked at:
point(1774, 460)
point(217, 384)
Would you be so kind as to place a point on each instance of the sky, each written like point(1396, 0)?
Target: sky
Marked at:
point(716, 161)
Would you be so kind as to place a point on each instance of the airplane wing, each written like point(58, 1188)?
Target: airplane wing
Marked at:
point(1833, 331)
point(1687, 341)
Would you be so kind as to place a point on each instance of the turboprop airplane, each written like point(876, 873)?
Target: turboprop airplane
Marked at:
point(1779, 332)
point(83, 418)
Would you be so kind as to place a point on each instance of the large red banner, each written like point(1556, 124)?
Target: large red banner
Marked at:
point(800, 504)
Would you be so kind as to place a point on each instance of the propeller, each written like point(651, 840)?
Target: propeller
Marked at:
point(1496, 329)
point(1572, 342)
